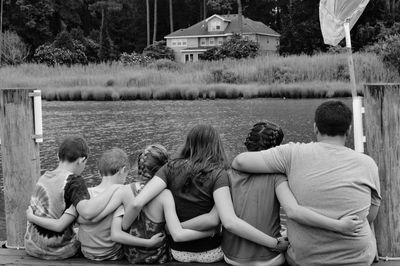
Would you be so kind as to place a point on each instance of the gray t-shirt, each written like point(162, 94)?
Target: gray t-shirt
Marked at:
point(255, 202)
point(334, 181)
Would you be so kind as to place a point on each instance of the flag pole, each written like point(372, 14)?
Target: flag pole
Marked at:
point(358, 110)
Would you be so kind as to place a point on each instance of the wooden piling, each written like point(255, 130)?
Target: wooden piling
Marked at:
point(20, 159)
point(382, 124)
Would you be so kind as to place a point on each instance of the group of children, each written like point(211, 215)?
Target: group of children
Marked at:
point(174, 210)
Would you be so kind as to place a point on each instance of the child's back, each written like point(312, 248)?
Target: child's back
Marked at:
point(51, 198)
point(149, 223)
point(95, 238)
point(55, 193)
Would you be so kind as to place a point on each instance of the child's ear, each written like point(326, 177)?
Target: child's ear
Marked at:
point(81, 160)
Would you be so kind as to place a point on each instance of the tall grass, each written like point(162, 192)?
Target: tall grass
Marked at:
point(323, 75)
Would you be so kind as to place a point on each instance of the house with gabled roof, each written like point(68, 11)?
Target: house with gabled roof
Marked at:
point(190, 42)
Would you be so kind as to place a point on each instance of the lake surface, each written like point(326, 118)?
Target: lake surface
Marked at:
point(132, 125)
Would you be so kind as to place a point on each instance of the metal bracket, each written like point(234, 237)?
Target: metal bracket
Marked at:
point(35, 93)
point(37, 136)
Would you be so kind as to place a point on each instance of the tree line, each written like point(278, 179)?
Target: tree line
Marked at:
point(131, 25)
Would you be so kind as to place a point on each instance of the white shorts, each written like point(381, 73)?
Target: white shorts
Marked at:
point(208, 256)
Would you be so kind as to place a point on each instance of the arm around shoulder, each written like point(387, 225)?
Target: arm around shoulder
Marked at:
point(274, 160)
point(90, 208)
point(251, 162)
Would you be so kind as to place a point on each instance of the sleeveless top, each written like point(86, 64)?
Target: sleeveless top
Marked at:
point(144, 227)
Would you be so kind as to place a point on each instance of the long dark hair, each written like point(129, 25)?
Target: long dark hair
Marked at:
point(204, 153)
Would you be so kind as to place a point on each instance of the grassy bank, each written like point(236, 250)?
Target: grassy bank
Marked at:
point(271, 76)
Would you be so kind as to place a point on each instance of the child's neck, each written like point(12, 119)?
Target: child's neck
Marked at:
point(107, 181)
point(66, 167)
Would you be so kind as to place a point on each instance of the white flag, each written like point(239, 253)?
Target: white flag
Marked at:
point(334, 13)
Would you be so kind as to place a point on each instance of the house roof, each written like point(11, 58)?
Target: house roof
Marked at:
point(249, 27)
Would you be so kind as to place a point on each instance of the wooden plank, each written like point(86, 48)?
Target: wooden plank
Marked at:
point(382, 127)
point(19, 257)
point(20, 159)
point(12, 257)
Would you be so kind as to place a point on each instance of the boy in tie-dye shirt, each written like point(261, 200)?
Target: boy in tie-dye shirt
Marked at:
point(58, 192)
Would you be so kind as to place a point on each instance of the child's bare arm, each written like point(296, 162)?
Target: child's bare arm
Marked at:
point(90, 208)
point(150, 190)
point(203, 222)
point(116, 200)
point(117, 235)
point(56, 225)
point(349, 225)
point(174, 226)
point(232, 223)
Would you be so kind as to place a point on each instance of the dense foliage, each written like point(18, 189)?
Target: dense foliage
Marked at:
point(110, 28)
point(235, 47)
point(159, 50)
point(63, 51)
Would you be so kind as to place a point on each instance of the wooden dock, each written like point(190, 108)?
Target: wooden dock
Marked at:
point(11, 257)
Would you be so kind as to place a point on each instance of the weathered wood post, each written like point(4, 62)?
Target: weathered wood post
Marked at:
point(20, 159)
point(382, 124)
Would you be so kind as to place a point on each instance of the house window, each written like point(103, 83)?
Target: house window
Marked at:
point(203, 42)
point(211, 41)
point(184, 43)
point(173, 43)
point(218, 27)
point(189, 58)
point(220, 41)
point(179, 43)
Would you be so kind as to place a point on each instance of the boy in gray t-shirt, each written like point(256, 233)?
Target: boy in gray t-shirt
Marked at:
point(330, 179)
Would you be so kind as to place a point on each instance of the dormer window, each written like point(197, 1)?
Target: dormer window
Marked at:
point(217, 27)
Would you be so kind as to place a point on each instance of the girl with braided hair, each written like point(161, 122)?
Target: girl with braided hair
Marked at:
point(255, 199)
point(150, 223)
point(198, 179)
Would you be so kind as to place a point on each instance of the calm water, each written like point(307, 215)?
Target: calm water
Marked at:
point(132, 125)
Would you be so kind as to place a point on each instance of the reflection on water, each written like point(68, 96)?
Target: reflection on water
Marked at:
point(132, 125)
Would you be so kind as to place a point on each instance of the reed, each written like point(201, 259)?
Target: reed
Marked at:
point(323, 75)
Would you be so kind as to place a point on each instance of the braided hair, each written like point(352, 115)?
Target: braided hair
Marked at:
point(150, 160)
point(264, 135)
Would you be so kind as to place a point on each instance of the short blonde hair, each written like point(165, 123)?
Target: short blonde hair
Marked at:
point(111, 161)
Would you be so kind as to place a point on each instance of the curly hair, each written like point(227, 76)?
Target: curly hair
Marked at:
point(264, 135)
point(151, 159)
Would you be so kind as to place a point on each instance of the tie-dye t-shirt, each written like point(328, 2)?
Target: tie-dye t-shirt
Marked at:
point(56, 192)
